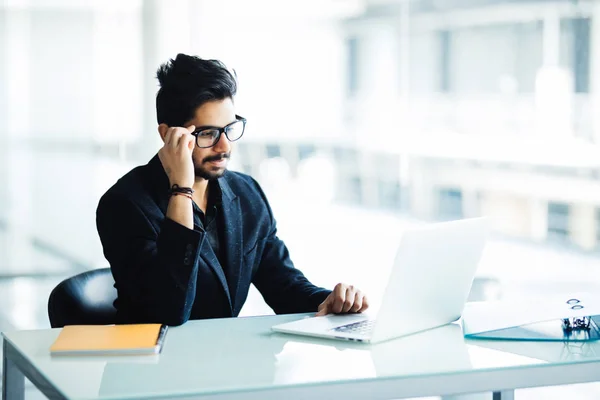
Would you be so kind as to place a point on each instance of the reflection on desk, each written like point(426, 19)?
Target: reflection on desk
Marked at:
point(552, 352)
point(250, 356)
point(232, 355)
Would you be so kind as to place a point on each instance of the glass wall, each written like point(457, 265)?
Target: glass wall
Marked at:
point(365, 117)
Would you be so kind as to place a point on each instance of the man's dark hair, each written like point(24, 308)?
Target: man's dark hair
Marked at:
point(186, 83)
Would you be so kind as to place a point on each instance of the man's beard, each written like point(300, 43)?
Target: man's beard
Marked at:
point(206, 171)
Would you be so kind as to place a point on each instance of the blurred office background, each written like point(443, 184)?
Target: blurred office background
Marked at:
point(365, 117)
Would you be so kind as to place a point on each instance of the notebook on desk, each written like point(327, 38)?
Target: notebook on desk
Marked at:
point(85, 340)
point(563, 317)
point(553, 331)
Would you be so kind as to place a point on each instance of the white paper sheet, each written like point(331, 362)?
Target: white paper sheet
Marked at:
point(482, 317)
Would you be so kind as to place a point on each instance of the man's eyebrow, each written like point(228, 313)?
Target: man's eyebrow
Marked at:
point(207, 126)
point(214, 126)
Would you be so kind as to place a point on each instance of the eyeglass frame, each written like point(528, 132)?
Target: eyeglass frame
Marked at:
point(221, 131)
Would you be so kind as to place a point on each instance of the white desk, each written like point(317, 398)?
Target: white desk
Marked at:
point(242, 359)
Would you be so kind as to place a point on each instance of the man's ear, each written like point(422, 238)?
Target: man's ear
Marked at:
point(162, 131)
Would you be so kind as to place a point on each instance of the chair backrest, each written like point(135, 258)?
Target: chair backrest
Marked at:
point(84, 299)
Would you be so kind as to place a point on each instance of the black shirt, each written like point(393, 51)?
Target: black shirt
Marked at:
point(212, 223)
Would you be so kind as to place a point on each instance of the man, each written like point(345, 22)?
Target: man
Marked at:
point(185, 237)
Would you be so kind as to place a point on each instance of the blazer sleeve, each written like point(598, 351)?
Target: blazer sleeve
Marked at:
point(285, 289)
point(154, 269)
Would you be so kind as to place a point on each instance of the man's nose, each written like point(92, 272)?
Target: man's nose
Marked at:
point(223, 145)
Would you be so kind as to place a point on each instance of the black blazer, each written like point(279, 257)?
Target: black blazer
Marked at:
point(167, 273)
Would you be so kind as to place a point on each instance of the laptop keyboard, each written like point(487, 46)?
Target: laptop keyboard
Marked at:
point(362, 328)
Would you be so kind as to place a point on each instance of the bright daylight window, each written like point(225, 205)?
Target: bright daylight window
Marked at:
point(365, 117)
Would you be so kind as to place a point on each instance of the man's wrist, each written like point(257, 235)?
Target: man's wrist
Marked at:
point(184, 195)
point(181, 189)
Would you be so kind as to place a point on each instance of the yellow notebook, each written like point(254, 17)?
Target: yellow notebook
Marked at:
point(110, 339)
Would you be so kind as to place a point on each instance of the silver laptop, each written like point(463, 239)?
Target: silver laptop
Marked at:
point(428, 286)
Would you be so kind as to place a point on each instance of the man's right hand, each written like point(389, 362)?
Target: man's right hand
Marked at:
point(176, 156)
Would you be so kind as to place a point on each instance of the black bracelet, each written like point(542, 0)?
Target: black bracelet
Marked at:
point(178, 189)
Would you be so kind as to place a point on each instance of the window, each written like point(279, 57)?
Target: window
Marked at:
point(598, 227)
point(352, 46)
point(273, 150)
point(450, 204)
point(558, 221)
point(445, 42)
point(575, 51)
point(349, 190)
point(305, 151)
point(389, 194)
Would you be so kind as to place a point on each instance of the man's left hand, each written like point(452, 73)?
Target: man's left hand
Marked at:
point(343, 299)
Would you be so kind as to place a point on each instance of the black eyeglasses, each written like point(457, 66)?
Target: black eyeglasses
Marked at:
point(208, 136)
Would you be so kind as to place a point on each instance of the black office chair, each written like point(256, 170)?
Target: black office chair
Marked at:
point(84, 299)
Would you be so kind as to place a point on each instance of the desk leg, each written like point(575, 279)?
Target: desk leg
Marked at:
point(504, 395)
point(13, 380)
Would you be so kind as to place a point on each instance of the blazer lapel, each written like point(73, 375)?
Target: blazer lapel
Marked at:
point(232, 219)
point(210, 258)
